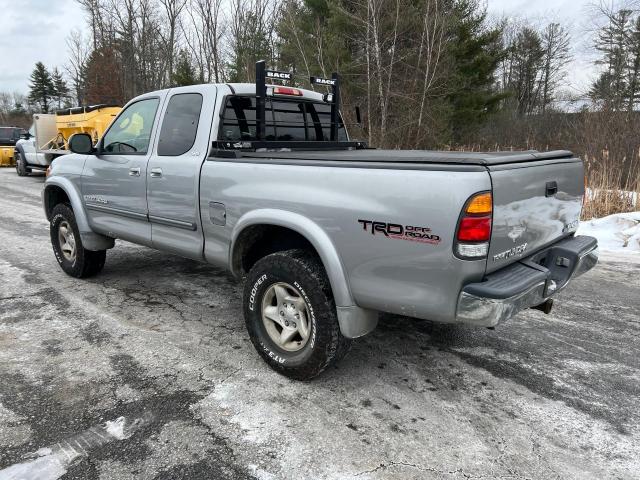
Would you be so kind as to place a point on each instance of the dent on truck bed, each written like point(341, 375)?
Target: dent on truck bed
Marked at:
point(533, 207)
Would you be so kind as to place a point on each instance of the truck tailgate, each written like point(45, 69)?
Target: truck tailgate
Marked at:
point(535, 204)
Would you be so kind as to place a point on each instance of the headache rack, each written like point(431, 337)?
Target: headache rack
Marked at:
point(333, 99)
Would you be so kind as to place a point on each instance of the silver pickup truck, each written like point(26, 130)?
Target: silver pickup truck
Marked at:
point(325, 233)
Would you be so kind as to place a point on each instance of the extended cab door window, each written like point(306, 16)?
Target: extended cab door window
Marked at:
point(180, 124)
point(131, 132)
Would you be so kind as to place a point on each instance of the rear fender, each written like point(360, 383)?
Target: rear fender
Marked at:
point(354, 321)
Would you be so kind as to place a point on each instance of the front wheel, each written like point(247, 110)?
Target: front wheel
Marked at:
point(21, 166)
point(291, 315)
point(72, 257)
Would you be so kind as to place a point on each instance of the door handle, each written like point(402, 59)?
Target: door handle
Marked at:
point(134, 172)
point(156, 172)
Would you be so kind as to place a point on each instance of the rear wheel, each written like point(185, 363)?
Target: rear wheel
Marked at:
point(291, 315)
point(72, 257)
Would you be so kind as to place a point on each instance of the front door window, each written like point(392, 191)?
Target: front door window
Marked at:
point(131, 132)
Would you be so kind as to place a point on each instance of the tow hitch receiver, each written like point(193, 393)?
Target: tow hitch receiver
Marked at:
point(545, 306)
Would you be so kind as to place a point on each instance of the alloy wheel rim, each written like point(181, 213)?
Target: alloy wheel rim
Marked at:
point(286, 317)
point(67, 241)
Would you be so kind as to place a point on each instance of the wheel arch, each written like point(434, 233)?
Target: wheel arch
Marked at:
point(62, 190)
point(253, 225)
point(250, 231)
point(20, 149)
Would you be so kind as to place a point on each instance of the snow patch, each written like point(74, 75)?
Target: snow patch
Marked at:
point(261, 474)
point(115, 428)
point(50, 467)
point(618, 233)
point(51, 463)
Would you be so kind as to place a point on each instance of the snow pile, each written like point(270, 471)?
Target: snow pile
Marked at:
point(619, 232)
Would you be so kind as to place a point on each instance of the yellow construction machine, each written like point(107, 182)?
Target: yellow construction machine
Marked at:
point(8, 138)
point(49, 135)
point(93, 120)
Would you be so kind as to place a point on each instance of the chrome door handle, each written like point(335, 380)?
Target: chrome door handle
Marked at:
point(134, 172)
point(156, 172)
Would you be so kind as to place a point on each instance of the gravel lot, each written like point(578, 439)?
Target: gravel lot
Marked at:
point(156, 347)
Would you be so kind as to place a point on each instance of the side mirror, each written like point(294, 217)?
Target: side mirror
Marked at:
point(358, 117)
point(25, 136)
point(81, 143)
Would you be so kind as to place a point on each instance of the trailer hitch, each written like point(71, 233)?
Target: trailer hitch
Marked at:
point(545, 306)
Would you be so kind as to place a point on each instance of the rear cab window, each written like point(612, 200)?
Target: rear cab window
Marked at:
point(286, 120)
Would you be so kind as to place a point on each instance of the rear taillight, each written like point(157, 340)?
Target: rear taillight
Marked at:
point(474, 228)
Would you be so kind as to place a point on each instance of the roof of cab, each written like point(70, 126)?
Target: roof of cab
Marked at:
point(233, 88)
point(250, 88)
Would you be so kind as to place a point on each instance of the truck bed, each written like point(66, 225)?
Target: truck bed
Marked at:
point(397, 156)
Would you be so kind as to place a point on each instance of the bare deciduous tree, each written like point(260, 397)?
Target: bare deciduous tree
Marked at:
point(173, 10)
point(77, 58)
point(556, 45)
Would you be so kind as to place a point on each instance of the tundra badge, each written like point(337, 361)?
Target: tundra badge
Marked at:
point(512, 252)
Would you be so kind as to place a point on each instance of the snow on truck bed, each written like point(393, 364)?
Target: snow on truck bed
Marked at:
point(617, 233)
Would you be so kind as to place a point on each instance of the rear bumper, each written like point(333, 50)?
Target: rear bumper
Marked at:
point(527, 283)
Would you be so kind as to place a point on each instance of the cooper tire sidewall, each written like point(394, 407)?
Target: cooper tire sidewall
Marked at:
point(255, 289)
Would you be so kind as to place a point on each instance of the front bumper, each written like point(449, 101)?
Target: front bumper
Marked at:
point(526, 283)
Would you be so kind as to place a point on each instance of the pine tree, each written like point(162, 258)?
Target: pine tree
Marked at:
point(184, 73)
point(60, 88)
point(528, 63)
point(41, 88)
point(633, 87)
point(611, 87)
point(474, 54)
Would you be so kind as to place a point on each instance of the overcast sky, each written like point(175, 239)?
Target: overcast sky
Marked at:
point(35, 30)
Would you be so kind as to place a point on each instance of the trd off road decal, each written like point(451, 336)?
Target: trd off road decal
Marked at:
point(402, 232)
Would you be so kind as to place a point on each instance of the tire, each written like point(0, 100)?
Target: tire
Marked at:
point(283, 285)
point(21, 167)
point(72, 257)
